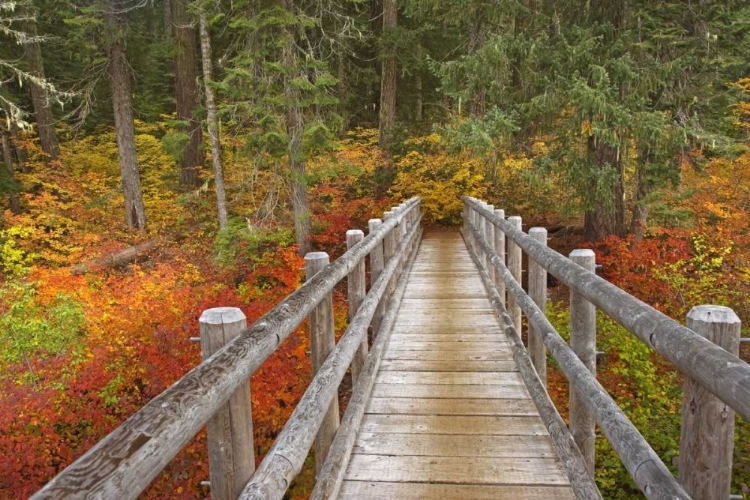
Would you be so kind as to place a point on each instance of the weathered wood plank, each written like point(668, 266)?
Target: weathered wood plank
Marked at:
point(416, 365)
point(456, 406)
point(449, 378)
point(500, 353)
point(453, 445)
point(445, 329)
point(449, 391)
point(485, 470)
point(448, 337)
point(454, 424)
point(449, 303)
point(440, 346)
point(365, 490)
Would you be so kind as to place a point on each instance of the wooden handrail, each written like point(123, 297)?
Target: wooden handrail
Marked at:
point(725, 375)
point(285, 459)
point(644, 465)
point(581, 480)
point(331, 477)
point(125, 462)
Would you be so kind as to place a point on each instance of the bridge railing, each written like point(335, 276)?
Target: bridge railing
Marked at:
point(124, 463)
point(718, 381)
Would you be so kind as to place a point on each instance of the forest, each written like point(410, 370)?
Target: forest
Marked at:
point(168, 156)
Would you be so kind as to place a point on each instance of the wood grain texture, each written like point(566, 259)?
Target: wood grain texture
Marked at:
point(454, 424)
point(707, 434)
point(515, 261)
point(231, 457)
point(449, 366)
point(356, 291)
point(538, 293)
point(454, 445)
point(449, 391)
point(322, 342)
point(366, 490)
point(377, 261)
point(461, 470)
point(452, 406)
point(504, 379)
point(583, 343)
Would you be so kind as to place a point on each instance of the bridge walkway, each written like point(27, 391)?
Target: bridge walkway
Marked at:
point(449, 416)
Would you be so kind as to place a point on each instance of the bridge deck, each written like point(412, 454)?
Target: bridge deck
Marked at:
point(450, 417)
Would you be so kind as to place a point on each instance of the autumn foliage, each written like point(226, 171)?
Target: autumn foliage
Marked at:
point(80, 353)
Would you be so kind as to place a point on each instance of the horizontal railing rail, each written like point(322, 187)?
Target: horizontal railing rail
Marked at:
point(644, 465)
point(717, 378)
point(722, 373)
point(125, 462)
point(285, 459)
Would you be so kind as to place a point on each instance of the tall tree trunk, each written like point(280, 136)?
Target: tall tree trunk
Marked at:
point(419, 103)
point(388, 77)
point(186, 91)
point(45, 120)
point(213, 121)
point(15, 205)
point(376, 28)
point(608, 216)
point(478, 103)
point(341, 91)
point(122, 104)
point(294, 128)
point(640, 208)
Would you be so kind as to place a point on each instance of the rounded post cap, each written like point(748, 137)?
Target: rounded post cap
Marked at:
point(313, 256)
point(500, 212)
point(582, 253)
point(373, 223)
point(713, 314)
point(537, 230)
point(355, 232)
point(222, 315)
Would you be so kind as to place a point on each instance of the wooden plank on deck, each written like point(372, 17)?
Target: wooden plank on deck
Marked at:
point(449, 416)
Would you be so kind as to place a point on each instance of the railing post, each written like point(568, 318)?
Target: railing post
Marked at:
point(583, 344)
point(489, 235)
point(480, 229)
point(515, 259)
point(707, 434)
point(322, 342)
point(376, 267)
point(389, 249)
point(500, 250)
point(356, 288)
point(538, 292)
point(231, 459)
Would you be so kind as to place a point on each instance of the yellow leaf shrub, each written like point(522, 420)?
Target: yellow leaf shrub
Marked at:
point(429, 171)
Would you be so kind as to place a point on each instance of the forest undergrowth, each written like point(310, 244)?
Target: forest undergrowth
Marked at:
point(79, 353)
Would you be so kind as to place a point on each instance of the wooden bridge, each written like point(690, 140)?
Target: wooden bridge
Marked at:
point(447, 402)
